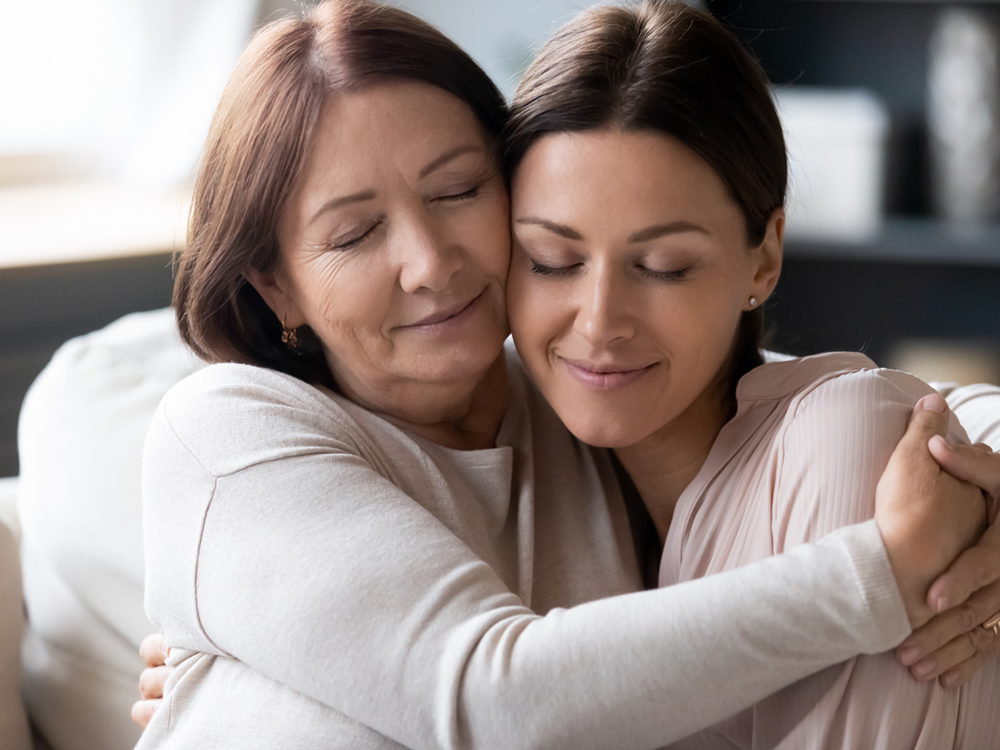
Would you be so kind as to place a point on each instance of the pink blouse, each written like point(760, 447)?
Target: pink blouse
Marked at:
point(801, 458)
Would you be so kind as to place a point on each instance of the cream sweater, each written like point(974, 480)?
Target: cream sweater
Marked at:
point(340, 583)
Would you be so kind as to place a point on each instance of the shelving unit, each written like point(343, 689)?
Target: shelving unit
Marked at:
point(920, 277)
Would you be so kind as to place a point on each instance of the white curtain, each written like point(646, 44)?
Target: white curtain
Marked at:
point(130, 83)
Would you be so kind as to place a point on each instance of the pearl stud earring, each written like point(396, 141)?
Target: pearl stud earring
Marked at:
point(753, 302)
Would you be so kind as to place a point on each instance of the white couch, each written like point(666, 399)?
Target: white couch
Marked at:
point(80, 440)
point(78, 505)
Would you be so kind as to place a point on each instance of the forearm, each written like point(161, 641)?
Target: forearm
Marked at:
point(465, 665)
point(648, 668)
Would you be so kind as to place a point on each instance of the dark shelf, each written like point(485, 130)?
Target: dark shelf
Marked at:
point(923, 241)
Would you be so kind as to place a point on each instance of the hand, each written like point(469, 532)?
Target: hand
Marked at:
point(926, 516)
point(154, 652)
point(954, 645)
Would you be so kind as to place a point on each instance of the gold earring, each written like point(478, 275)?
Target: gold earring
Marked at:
point(288, 337)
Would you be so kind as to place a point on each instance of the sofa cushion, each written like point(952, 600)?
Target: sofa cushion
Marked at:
point(13, 723)
point(80, 440)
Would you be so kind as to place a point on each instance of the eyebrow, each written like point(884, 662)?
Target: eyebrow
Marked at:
point(367, 195)
point(448, 156)
point(643, 235)
point(661, 230)
point(561, 229)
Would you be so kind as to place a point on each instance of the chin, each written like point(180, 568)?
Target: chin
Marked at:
point(602, 432)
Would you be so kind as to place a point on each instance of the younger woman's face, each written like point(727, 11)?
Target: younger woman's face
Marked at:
point(629, 274)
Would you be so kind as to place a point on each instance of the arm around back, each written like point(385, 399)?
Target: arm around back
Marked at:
point(286, 539)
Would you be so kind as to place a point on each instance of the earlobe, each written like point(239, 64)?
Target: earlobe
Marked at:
point(273, 290)
point(768, 257)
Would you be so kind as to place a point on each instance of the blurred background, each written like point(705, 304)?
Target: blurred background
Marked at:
point(892, 110)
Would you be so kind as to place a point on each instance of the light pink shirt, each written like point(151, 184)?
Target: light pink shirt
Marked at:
point(801, 458)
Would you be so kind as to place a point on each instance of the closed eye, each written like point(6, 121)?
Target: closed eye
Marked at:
point(356, 240)
point(678, 275)
point(458, 197)
point(541, 270)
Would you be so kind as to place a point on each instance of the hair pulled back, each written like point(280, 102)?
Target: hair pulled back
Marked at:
point(255, 152)
point(666, 67)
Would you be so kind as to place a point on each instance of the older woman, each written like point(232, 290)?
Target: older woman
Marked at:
point(373, 532)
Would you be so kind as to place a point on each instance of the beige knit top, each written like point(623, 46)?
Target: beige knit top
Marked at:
point(337, 582)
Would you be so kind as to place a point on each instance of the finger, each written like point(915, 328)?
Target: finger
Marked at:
point(979, 608)
point(151, 682)
point(977, 464)
point(154, 650)
point(928, 418)
point(959, 675)
point(976, 568)
point(142, 712)
point(950, 655)
point(960, 659)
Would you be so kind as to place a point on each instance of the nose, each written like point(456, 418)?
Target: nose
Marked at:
point(427, 257)
point(603, 315)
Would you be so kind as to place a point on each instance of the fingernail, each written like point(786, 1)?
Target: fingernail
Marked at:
point(934, 402)
point(924, 669)
point(941, 604)
point(950, 679)
point(942, 442)
point(909, 654)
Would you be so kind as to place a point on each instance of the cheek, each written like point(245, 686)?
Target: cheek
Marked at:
point(489, 232)
point(539, 311)
point(349, 296)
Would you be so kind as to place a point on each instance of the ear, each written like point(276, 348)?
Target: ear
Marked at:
point(767, 257)
point(274, 288)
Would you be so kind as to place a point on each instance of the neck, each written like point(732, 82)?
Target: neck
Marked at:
point(663, 465)
point(458, 415)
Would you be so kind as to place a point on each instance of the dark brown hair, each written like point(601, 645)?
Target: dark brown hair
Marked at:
point(254, 155)
point(667, 67)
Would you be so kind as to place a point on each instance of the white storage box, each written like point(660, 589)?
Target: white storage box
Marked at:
point(836, 157)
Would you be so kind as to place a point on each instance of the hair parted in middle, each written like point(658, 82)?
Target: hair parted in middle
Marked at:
point(256, 149)
point(663, 66)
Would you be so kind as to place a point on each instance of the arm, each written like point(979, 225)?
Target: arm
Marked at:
point(375, 609)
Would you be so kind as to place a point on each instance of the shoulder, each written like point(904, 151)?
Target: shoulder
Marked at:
point(837, 381)
point(840, 399)
point(231, 416)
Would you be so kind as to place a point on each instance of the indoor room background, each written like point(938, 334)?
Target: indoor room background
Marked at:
point(891, 107)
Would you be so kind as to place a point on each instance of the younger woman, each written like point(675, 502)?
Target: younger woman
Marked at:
point(649, 177)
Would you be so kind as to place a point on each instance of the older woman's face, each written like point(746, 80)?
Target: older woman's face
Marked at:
point(395, 246)
point(630, 272)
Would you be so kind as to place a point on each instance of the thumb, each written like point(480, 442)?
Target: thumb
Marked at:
point(928, 418)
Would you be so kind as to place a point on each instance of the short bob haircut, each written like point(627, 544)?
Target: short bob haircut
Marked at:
point(666, 67)
point(259, 139)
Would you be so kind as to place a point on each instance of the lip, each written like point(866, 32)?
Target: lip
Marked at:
point(597, 376)
point(447, 318)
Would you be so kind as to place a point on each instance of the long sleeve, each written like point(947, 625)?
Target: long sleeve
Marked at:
point(978, 409)
point(277, 543)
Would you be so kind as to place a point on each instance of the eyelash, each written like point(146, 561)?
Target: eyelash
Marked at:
point(541, 270)
point(350, 244)
point(678, 275)
point(467, 195)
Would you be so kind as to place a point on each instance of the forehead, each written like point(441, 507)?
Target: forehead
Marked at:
point(624, 171)
point(395, 123)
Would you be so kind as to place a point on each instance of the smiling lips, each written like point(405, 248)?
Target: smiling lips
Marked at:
point(597, 377)
point(447, 319)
